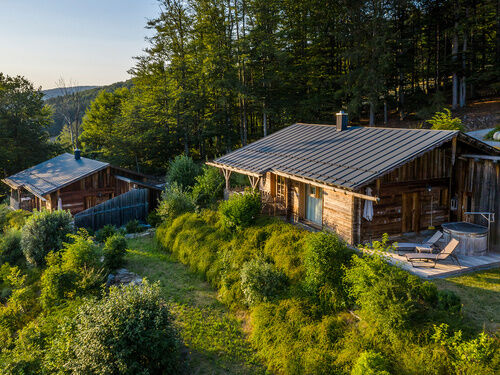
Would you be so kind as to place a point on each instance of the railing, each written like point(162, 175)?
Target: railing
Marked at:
point(273, 206)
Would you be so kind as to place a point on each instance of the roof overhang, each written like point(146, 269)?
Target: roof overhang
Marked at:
point(137, 182)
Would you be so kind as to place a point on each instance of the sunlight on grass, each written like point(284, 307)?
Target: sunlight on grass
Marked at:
point(213, 336)
point(480, 294)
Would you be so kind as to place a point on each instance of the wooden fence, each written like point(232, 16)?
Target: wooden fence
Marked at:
point(117, 211)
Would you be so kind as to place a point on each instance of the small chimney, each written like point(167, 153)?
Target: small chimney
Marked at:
point(77, 154)
point(342, 121)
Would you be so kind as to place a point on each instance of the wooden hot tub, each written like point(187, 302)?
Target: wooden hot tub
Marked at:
point(473, 238)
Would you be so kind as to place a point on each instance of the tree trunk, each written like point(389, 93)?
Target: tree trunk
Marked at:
point(463, 83)
point(264, 119)
point(454, 52)
point(372, 114)
point(385, 112)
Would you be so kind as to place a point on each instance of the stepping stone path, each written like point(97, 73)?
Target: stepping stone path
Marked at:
point(123, 276)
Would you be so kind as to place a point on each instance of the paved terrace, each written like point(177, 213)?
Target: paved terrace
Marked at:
point(444, 268)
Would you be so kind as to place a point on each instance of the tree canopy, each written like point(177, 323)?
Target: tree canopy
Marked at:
point(23, 122)
point(219, 74)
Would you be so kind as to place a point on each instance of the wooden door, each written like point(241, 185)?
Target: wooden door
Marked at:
point(410, 215)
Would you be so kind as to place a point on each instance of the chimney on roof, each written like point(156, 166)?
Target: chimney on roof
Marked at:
point(77, 154)
point(342, 121)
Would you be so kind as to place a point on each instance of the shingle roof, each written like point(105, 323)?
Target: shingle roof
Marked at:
point(54, 174)
point(350, 158)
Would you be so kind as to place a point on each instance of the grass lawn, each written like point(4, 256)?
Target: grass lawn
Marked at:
point(480, 294)
point(213, 336)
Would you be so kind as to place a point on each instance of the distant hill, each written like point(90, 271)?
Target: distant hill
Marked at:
point(52, 93)
point(87, 96)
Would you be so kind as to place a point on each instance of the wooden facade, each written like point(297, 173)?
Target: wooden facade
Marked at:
point(87, 191)
point(438, 186)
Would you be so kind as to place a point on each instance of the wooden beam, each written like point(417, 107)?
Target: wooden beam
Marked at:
point(233, 169)
point(325, 186)
point(253, 181)
point(484, 157)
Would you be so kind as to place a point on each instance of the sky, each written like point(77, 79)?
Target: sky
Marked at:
point(87, 42)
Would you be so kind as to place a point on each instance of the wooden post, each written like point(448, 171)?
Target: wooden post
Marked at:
point(227, 175)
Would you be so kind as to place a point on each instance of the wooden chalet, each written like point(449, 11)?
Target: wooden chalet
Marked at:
point(325, 175)
point(74, 183)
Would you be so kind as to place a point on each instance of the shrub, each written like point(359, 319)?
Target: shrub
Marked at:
point(240, 210)
point(261, 281)
point(473, 356)
point(292, 341)
point(388, 295)
point(175, 201)
point(444, 121)
point(45, 231)
point(75, 271)
point(115, 335)
point(10, 247)
point(448, 301)
point(370, 363)
point(325, 259)
point(182, 172)
point(209, 187)
point(105, 232)
point(114, 251)
point(133, 226)
point(16, 219)
point(4, 211)
point(153, 219)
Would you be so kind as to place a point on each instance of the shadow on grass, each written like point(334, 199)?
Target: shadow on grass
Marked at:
point(480, 295)
point(213, 336)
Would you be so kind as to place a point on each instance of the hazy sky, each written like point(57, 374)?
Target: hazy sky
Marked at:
point(90, 42)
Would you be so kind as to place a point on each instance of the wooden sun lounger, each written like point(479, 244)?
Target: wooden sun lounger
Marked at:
point(411, 246)
point(448, 251)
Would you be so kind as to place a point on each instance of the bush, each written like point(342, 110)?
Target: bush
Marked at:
point(325, 260)
point(370, 363)
point(444, 121)
point(473, 356)
point(292, 341)
point(10, 247)
point(115, 335)
point(105, 232)
point(153, 219)
point(182, 172)
point(261, 281)
point(16, 219)
point(388, 295)
point(175, 201)
point(75, 271)
point(240, 210)
point(133, 226)
point(114, 251)
point(209, 188)
point(4, 211)
point(45, 231)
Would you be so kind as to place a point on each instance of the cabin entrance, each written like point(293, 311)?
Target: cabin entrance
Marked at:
point(410, 213)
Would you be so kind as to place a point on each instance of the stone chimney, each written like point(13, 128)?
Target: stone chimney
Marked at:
point(77, 154)
point(342, 121)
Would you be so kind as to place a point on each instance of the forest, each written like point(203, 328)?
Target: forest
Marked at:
point(219, 74)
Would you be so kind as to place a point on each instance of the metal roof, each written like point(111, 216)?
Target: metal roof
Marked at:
point(350, 158)
point(54, 174)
